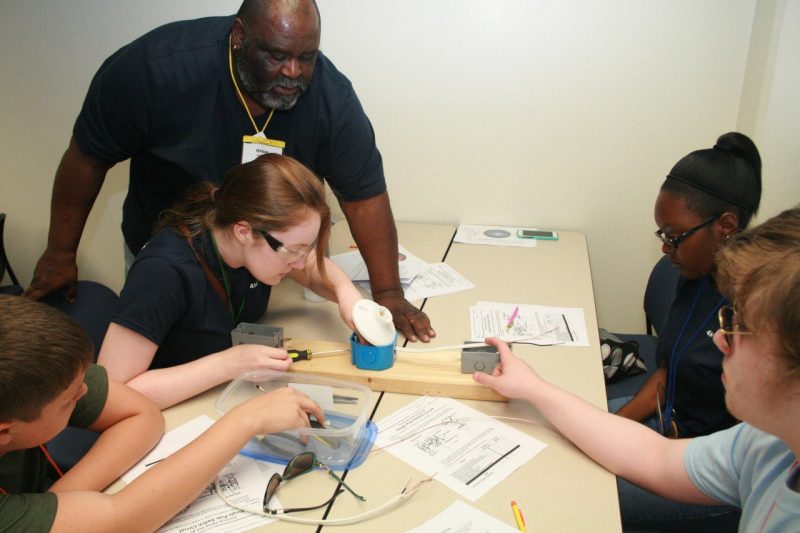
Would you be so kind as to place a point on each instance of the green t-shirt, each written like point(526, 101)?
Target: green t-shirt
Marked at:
point(25, 476)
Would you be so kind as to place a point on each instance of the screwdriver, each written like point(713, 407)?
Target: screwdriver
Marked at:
point(304, 355)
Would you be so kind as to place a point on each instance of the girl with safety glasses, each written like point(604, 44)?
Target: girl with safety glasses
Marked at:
point(211, 265)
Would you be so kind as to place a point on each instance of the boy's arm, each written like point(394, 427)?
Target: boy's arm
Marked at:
point(165, 489)
point(130, 425)
point(626, 448)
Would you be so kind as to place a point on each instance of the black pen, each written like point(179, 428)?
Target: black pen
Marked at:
point(571, 338)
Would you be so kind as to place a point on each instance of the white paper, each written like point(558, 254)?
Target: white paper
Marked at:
point(243, 481)
point(567, 325)
point(353, 265)
point(492, 235)
point(462, 448)
point(463, 518)
point(171, 442)
point(436, 280)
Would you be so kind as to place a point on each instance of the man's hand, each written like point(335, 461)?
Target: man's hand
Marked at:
point(412, 323)
point(373, 229)
point(53, 271)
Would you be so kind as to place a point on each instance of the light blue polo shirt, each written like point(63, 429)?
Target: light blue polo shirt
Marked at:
point(751, 469)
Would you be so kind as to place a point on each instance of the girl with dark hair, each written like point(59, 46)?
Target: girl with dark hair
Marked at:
point(709, 196)
point(210, 266)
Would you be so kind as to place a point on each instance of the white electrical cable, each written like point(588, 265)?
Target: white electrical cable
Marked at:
point(328, 521)
point(478, 344)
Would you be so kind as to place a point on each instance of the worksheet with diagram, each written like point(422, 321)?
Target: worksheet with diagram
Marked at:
point(468, 451)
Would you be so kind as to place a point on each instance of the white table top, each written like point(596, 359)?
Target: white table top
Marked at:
point(560, 489)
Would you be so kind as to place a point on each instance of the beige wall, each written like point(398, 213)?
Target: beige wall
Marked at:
point(559, 114)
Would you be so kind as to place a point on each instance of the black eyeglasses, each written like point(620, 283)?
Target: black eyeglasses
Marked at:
point(728, 326)
point(674, 242)
point(297, 466)
point(288, 254)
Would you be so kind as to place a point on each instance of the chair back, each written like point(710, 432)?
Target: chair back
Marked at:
point(659, 294)
point(4, 266)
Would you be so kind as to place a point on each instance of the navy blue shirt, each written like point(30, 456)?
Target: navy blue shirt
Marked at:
point(168, 299)
point(167, 102)
point(699, 401)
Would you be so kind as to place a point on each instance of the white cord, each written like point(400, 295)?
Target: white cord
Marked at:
point(476, 344)
point(328, 521)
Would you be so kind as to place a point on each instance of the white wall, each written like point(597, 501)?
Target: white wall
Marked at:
point(558, 114)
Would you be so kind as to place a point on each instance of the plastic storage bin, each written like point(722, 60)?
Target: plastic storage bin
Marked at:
point(345, 440)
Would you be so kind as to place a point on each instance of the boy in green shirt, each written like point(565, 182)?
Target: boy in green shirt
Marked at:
point(47, 380)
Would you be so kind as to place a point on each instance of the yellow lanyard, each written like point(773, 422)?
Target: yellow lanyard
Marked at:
point(239, 92)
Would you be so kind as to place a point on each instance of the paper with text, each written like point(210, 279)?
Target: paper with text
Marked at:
point(492, 235)
point(437, 279)
point(352, 263)
point(243, 481)
point(566, 325)
point(462, 448)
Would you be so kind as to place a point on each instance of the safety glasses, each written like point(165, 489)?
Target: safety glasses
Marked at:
point(728, 326)
point(288, 254)
point(674, 242)
point(297, 466)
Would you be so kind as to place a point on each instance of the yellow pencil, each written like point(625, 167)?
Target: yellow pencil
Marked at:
point(518, 515)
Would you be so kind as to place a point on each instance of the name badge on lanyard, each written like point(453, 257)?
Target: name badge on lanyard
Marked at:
point(256, 145)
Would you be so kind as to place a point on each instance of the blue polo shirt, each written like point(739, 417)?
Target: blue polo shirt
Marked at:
point(166, 101)
point(168, 299)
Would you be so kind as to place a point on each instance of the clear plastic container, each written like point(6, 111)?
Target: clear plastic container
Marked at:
point(348, 434)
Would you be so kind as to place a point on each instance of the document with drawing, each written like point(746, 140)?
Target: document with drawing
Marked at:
point(466, 450)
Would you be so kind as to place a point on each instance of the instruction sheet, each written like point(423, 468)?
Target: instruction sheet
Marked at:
point(468, 451)
point(548, 325)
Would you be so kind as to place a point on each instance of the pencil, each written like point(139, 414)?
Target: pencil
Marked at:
point(518, 515)
point(512, 318)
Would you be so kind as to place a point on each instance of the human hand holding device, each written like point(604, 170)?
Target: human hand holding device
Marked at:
point(512, 378)
point(249, 357)
point(279, 410)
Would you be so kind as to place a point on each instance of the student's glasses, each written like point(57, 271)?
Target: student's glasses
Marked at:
point(297, 466)
point(674, 242)
point(728, 325)
point(288, 254)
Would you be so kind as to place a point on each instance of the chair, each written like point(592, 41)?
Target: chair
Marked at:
point(658, 297)
point(15, 288)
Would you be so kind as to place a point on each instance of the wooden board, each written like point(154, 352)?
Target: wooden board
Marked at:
point(427, 374)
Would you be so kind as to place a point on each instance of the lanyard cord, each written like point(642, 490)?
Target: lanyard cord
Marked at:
point(4, 492)
point(239, 92)
point(236, 316)
point(678, 354)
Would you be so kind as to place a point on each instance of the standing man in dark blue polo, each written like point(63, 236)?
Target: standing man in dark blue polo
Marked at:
point(191, 99)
